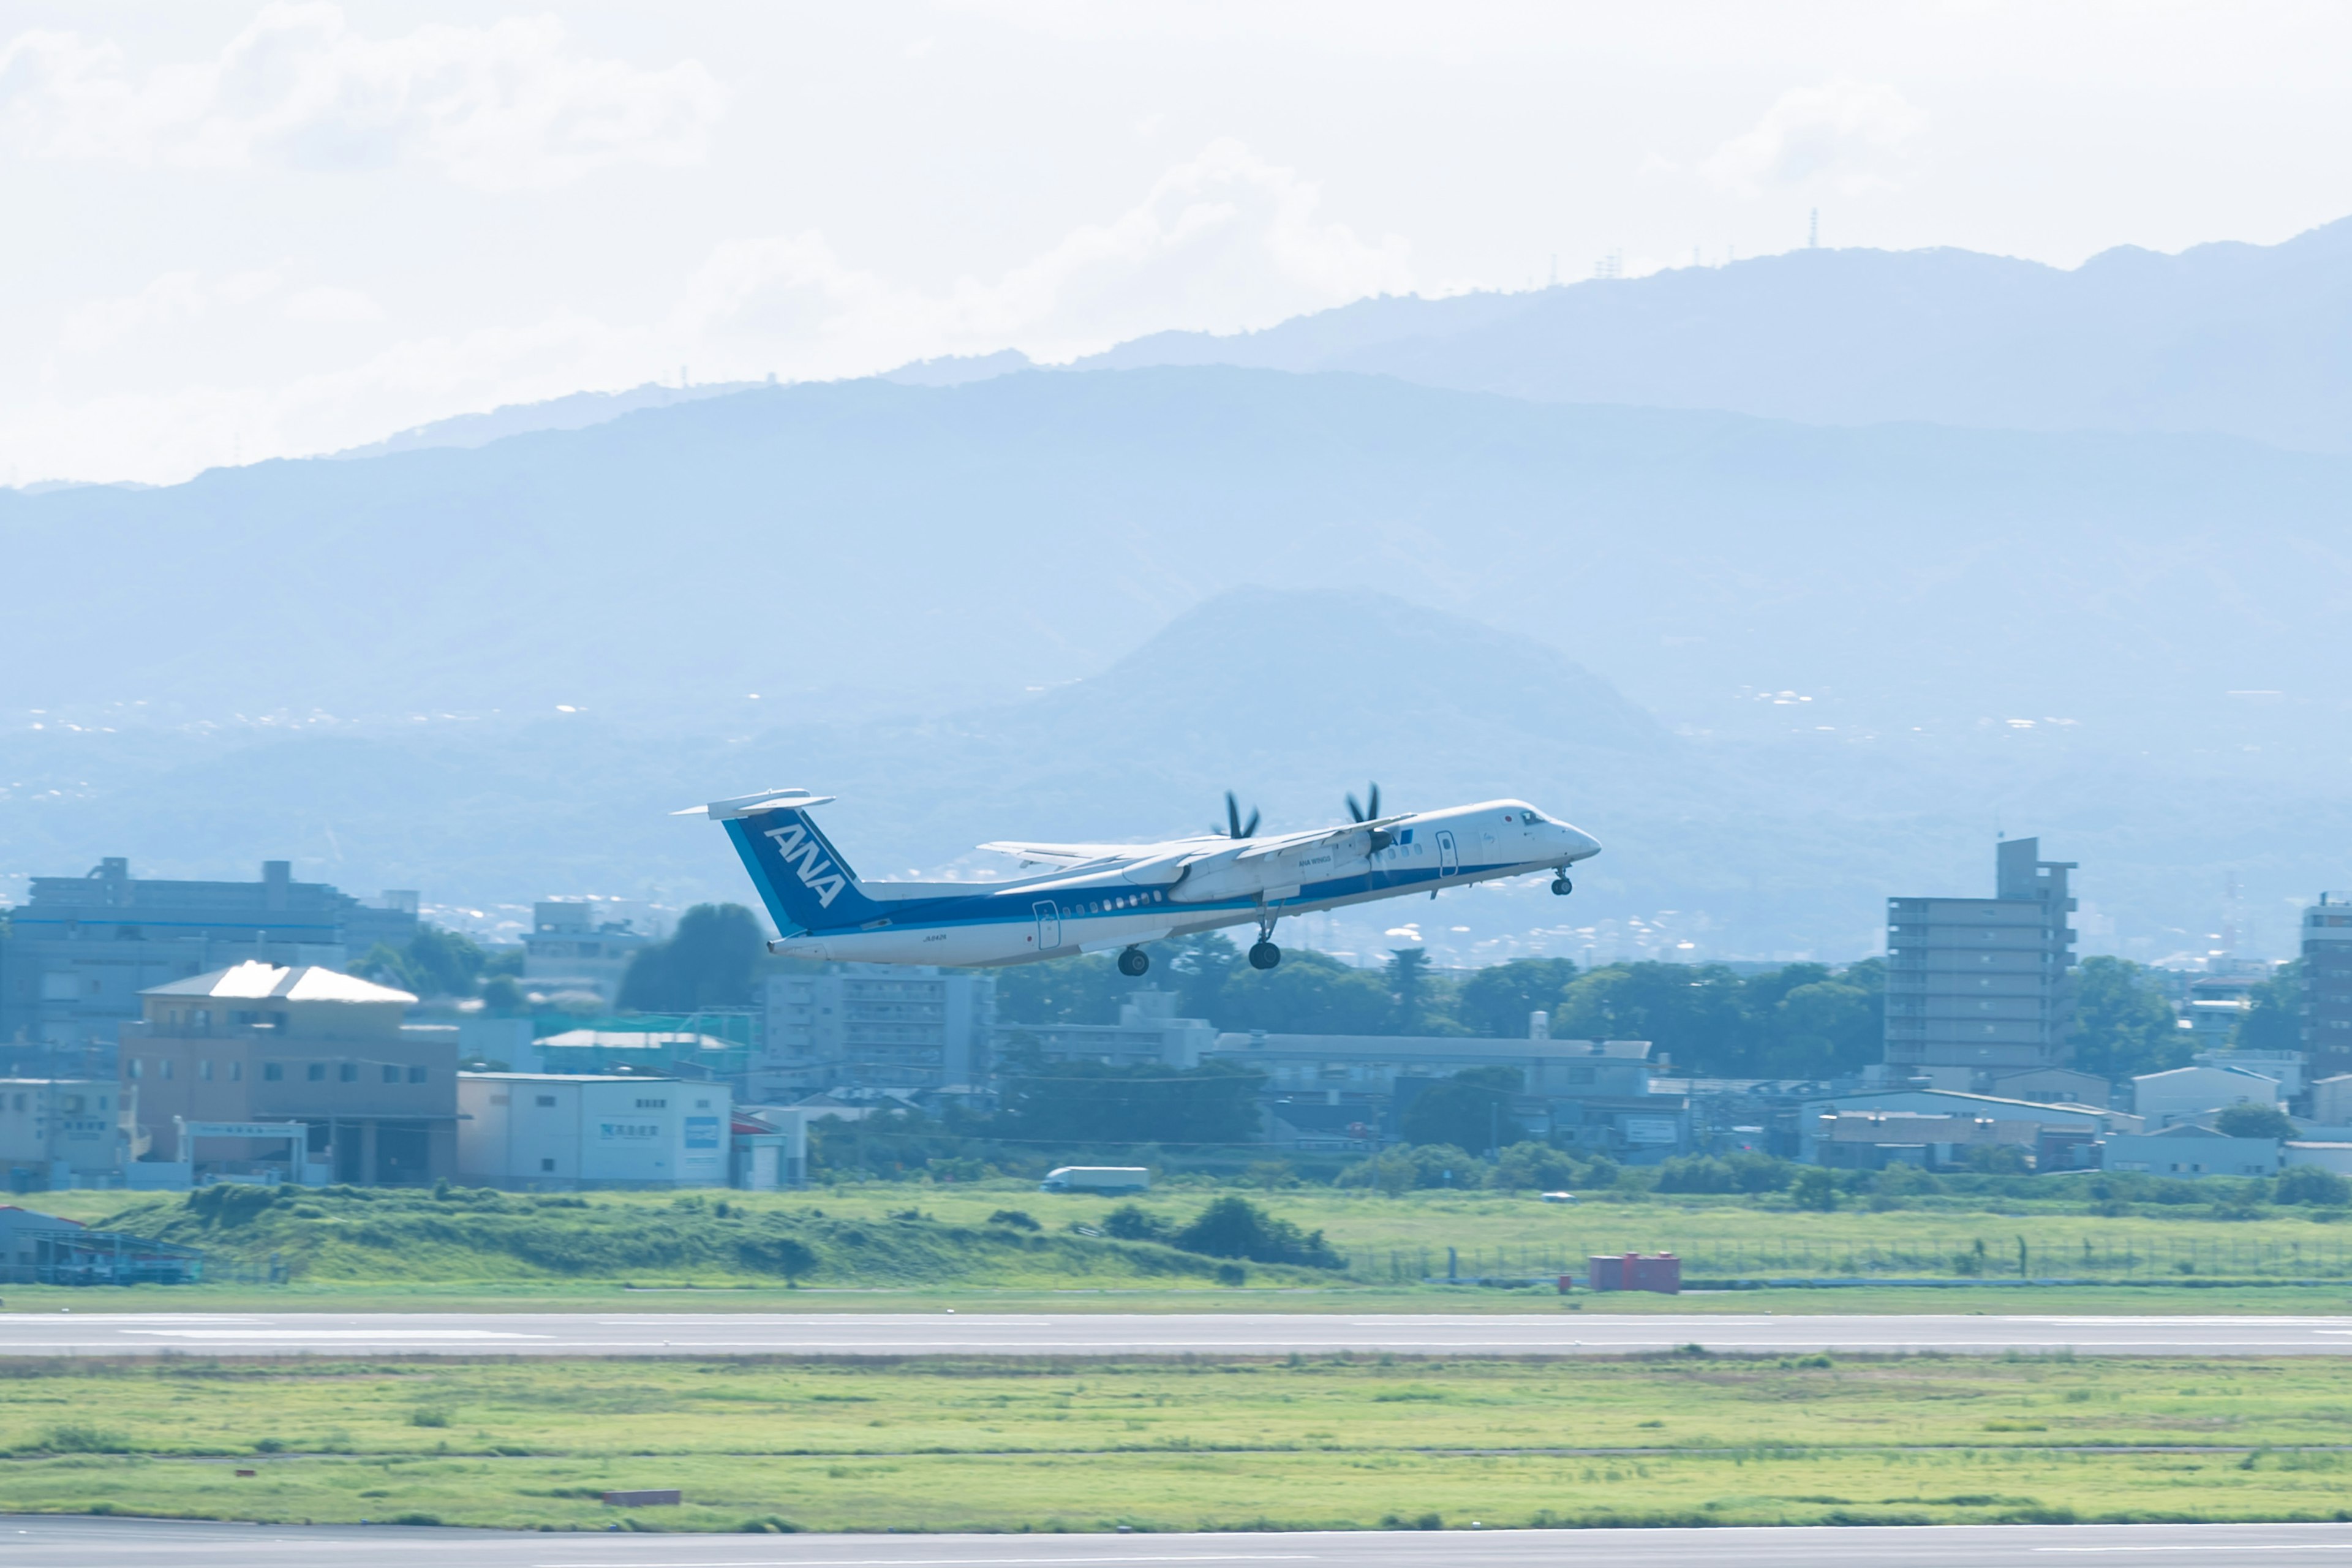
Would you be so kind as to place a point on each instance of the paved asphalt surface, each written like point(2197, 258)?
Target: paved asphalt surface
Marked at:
point(1548, 1334)
point(26, 1543)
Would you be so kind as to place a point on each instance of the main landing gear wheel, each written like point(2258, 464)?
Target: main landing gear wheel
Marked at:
point(1562, 885)
point(1134, 961)
point(1264, 955)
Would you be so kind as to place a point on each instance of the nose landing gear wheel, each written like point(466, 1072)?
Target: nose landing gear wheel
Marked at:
point(1562, 886)
point(1264, 955)
point(1134, 961)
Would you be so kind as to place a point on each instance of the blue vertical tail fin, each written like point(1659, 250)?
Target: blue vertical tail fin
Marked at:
point(802, 878)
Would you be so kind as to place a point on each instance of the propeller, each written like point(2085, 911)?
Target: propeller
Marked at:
point(1234, 827)
point(1371, 808)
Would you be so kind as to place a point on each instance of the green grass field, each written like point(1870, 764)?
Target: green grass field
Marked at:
point(917, 1246)
point(993, 1445)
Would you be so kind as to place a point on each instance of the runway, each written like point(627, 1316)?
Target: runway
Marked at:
point(1107, 1334)
point(136, 1543)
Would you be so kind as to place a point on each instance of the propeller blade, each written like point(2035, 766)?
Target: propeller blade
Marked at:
point(1356, 812)
point(1232, 816)
point(1373, 809)
point(1250, 827)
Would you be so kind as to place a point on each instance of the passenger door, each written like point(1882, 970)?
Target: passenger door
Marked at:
point(1449, 859)
point(1049, 924)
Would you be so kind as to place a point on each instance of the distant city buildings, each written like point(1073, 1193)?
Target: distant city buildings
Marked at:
point(575, 945)
point(874, 1026)
point(75, 956)
point(2327, 986)
point(1976, 987)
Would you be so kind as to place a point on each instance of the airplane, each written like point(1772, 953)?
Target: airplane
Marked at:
point(1095, 897)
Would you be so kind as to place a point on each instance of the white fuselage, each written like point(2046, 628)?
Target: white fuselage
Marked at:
point(1136, 894)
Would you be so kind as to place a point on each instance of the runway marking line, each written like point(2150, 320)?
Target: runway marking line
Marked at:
point(2209, 1546)
point(951, 1561)
point(334, 1334)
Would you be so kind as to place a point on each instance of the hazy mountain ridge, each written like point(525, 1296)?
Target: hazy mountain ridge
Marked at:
point(2231, 339)
point(1782, 671)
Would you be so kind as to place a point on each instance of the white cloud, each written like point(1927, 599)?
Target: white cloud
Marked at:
point(1843, 135)
point(1225, 241)
point(501, 107)
point(172, 300)
point(1221, 241)
point(328, 305)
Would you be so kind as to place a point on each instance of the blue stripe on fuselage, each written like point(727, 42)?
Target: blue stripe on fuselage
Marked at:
point(1016, 905)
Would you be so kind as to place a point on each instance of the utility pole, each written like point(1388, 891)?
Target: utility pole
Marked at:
point(1814, 231)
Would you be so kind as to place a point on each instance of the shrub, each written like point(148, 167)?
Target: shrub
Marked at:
point(428, 1416)
point(76, 1438)
point(2310, 1185)
point(1694, 1173)
point(1236, 1227)
point(1534, 1165)
point(1018, 1219)
point(1128, 1223)
point(1814, 1188)
point(1393, 1171)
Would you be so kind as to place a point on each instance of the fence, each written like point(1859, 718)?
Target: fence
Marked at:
point(2028, 1254)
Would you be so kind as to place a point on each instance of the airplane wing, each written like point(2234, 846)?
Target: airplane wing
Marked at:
point(1070, 854)
point(1275, 846)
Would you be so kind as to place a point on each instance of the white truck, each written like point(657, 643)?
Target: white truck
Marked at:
point(1096, 1179)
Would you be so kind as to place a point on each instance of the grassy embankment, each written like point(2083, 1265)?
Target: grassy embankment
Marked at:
point(939, 1445)
point(409, 1248)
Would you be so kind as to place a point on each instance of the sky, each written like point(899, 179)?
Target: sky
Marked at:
point(239, 231)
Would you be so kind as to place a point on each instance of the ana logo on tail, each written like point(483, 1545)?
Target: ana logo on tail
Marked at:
point(798, 848)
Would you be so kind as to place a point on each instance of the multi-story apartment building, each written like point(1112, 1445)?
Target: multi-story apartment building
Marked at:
point(2327, 986)
point(874, 1026)
point(1976, 988)
point(78, 952)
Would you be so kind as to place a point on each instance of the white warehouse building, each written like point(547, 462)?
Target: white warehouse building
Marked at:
point(555, 1130)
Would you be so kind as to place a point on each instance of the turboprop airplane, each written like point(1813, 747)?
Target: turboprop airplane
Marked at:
point(1095, 897)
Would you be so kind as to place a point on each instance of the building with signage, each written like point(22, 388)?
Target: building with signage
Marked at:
point(258, 1043)
point(79, 951)
point(57, 1133)
point(551, 1131)
point(1976, 987)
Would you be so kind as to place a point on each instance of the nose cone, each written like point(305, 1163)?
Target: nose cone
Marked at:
point(1583, 846)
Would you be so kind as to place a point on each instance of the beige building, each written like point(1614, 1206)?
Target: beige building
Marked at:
point(255, 1042)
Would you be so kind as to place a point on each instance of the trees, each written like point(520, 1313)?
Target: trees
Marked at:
point(1309, 994)
point(1472, 1109)
point(2274, 1022)
point(710, 961)
point(1092, 1102)
point(2122, 1025)
point(433, 962)
point(1415, 994)
point(1495, 1000)
point(2251, 1120)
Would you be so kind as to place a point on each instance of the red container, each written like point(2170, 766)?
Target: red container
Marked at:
point(1632, 1272)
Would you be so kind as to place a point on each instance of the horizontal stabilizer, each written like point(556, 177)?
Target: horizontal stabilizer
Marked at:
point(751, 804)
